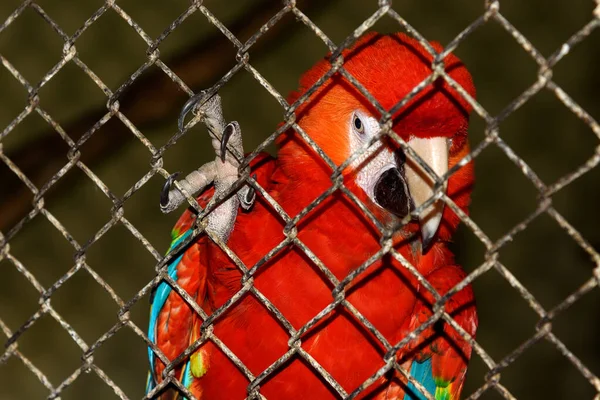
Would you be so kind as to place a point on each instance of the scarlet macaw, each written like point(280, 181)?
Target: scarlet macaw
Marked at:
point(339, 119)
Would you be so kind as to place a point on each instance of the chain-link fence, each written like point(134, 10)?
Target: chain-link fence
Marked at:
point(226, 49)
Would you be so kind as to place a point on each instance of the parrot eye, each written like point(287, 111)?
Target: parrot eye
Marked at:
point(358, 124)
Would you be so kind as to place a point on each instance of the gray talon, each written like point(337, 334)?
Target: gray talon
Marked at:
point(223, 172)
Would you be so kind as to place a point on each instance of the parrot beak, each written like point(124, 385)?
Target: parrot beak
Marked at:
point(434, 151)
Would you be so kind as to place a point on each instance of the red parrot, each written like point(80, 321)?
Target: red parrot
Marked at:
point(340, 120)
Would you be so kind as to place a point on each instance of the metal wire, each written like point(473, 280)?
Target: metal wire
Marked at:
point(491, 14)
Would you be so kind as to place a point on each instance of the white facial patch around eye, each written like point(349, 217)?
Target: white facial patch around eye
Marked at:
point(375, 160)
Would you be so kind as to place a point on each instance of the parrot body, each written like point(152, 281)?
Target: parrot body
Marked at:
point(341, 237)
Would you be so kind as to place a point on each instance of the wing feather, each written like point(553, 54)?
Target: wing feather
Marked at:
point(441, 354)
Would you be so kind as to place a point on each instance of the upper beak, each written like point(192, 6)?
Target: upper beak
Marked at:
point(434, 151)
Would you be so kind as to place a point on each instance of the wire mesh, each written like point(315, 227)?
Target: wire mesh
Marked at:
point(491, 14)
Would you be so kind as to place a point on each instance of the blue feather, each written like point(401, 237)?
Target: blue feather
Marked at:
point(187, 377)
point(159, 297)
point(149, 383)
point(423, 373)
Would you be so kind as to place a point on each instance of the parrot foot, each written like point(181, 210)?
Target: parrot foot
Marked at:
point(223, 172)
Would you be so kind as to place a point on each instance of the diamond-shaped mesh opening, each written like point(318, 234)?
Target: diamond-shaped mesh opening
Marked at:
point(567, 263)
point(282, 66)
point(551, 139)
point(44, 342)
point(504, 73)
point(18, 142)
point(53, 255)
point(549, 365)
point(511, 206)
point(122, 261)
point(69, 96)
point(229, 14)
point(118, 358)
point(438, 26)
point(261, 113)
point(124, 172)
point(71, 18)
point(110, 45)
point(90, 298)
point(31, 30)
point(564, 18)
point(80, 387)
point(532, 221)
point(30, 387)
point(91, 214)
point(156, 16)
point(338, 26)
point(178, 35)
point(500, 336)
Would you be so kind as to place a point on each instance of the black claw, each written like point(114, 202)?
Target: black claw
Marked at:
point(164, 193)
point(192, 103)
point(227, 132)
point(426, 244)
point(250, 196)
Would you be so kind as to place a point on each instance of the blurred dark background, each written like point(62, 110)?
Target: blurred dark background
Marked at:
point(549, 137)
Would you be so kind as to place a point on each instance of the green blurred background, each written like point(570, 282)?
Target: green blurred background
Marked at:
point(551, 139)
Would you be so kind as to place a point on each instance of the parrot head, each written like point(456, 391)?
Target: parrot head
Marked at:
point(341, 120)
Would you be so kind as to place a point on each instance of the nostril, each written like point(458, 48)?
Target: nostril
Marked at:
point(399, 157)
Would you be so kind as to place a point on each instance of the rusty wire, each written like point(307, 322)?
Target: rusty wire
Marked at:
point(545, 191)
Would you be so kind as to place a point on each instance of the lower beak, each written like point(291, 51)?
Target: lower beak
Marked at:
point(434, 152)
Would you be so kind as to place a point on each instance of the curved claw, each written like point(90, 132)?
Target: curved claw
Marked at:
point(249, 197)
point(227, 132)
point(164, 193)
point(191, 104)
